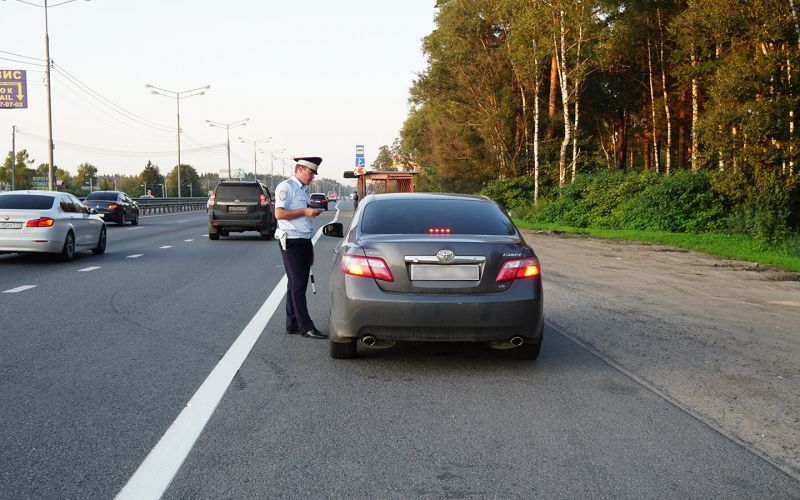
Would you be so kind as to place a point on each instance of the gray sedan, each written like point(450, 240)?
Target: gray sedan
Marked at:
point(48, 222)
point(433, 267)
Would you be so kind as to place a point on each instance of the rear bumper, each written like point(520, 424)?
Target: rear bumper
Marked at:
point(33, 241)
point(361, 308)
point(248, 224)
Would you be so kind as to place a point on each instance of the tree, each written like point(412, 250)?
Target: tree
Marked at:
point(189, 177)
point(24, 177)
point(87, 175)
point(384, 159)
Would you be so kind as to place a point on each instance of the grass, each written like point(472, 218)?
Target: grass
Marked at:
point(730, 246)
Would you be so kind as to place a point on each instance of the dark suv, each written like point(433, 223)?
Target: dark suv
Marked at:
point(237, 206)
point(318, 200)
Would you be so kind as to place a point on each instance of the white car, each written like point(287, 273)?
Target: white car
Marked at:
point(48, 222)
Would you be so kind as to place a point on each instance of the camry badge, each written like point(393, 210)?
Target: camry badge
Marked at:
point(6, 218)
point(445, 255)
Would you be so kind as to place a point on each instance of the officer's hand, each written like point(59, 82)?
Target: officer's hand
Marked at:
point(312, 212)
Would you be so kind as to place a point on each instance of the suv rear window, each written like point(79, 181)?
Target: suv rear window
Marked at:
point(317, 196)
point(416, 216)
point(239, 192)
point(103, 195)
point(26, 202)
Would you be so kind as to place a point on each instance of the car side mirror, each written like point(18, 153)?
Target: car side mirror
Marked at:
point(334, 229)
point(92, 211)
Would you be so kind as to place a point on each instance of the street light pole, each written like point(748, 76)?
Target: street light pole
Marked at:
point(178, 95)
point(255, 143)
point(228, 127)
point(271, 167)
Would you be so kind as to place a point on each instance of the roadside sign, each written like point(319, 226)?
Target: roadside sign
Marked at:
point(359, 161)
point(13, 89)
point(359, 170)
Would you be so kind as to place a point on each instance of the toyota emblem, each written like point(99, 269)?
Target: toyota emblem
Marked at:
point(445, 255)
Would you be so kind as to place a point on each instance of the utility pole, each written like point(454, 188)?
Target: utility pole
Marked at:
point(13, 157)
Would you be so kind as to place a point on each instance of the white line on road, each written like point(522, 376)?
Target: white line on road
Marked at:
point(86, 269)
point(135, 256)
point(183, 220)
point(154, 475)
point(166, 246)
point(21, 288)
point(188, 240)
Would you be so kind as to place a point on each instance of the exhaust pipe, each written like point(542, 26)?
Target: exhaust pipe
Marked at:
point(511, 343)
point(374, 343)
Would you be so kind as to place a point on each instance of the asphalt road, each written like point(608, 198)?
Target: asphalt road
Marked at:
point(97, 364)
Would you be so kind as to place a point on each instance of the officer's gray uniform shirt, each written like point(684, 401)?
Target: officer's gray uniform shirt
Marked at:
point(290, 195)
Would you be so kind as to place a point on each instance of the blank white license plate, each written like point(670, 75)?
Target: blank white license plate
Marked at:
point(10, 225)
point(435, 272)
point(238, 210)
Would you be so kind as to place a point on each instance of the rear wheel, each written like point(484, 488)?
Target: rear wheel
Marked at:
point(213, 235)
point(527, 351)
point(68, 250)
point(135, 222)
point(122, 220)
point(343, 350)
point(101, 243)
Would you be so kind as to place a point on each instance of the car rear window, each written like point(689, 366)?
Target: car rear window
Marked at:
point(418, 216)
point(317, 196)
point(237, 192)
point(26, 202)
point(101, 195)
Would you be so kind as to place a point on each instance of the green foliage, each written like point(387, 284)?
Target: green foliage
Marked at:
point(512, 193)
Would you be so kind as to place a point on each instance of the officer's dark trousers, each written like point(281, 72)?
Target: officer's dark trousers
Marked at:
point(297, 259)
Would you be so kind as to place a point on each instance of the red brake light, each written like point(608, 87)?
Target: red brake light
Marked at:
point(440, 230)
point(527, 267)
point(212, 200)
point(262, 200)
point(366, 267)
point(41, 222)
point(113, 206)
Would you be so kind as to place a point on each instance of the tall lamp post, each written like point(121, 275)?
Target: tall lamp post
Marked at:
point(228, 127)
point(50, 145)
point(255, 144)
point(271, 167)
point(178, 95)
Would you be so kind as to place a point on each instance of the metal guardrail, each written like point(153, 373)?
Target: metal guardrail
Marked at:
point(150, 206)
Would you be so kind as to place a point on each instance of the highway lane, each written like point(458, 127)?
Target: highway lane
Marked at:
point(97, 365)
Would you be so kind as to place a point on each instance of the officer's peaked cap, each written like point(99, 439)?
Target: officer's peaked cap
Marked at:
point(311, 162)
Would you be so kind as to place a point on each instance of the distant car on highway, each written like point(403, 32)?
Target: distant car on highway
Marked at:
point(332, 196)
point(237, 206)
point(433, 267)
point(318, 200)
point(48, 222)
point(113, 206)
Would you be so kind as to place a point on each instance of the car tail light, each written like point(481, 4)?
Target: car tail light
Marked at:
point(262, 200)
point(113, 206)
point(527, 267)
point(440, 230)
point(41, 222)
point(366, 267)
point(212, 199)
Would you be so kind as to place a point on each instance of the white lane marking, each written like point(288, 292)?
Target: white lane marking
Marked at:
point(154, 475)
point(166, 246)
point(188, 240)
point(205, 234)
point(185, 220)
point(135, 256)
point(21, 288)
point(87, 269)
point(135, 228)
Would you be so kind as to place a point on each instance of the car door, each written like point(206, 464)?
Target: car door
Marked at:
point(85, 230)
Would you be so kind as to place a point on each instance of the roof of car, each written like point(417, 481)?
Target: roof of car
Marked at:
point(430, 196)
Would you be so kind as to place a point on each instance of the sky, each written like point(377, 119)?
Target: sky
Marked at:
point(318, 77)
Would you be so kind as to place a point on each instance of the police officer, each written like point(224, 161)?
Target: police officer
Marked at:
point(294, 234)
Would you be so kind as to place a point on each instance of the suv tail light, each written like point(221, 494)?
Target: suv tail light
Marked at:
point(527, 267)
point(41, 222)
point(212, 199)
point(366, 267)
point(262, 200)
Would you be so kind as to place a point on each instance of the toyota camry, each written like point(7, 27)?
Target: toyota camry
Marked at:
point(433, 267)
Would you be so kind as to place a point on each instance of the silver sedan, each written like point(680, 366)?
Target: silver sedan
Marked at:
point(48, 222)
point(433, 267)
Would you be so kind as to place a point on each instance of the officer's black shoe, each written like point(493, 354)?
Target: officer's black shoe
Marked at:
point(292, 331)
point(314, 334)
